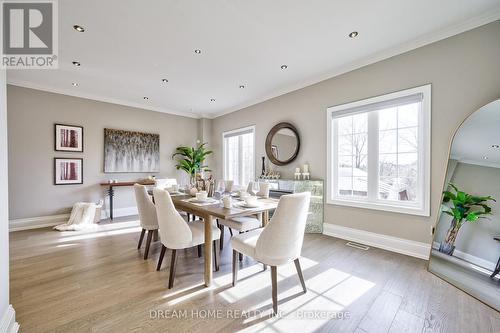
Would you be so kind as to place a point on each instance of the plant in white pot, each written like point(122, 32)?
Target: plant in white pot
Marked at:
point(464, 208)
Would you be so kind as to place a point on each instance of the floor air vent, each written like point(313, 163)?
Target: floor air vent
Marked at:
point(358, 246)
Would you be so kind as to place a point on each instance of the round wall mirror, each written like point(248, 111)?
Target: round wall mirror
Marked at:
point(282, 144)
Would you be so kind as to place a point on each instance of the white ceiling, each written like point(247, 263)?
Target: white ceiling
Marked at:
point(477, 135)
point(130, 45)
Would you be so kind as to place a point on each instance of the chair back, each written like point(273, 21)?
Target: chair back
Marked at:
point(263, 190)
point(146, 208)
point(228, 184)
point(165, 183)
point(282, 237)
point(174, 230)
point(250, 187)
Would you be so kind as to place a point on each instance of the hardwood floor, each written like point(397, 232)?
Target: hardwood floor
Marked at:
point(98, 282)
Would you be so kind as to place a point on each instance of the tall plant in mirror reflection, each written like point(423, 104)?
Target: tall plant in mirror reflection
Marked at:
point(192, 160)
point(464, 208)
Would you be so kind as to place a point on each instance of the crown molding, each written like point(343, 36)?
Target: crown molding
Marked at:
point(73, 93)
point(475, 22)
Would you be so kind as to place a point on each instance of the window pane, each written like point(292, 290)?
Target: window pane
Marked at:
point(388, 119)
point(388, 141)
point(345, 166)
point(345, 186)
point(407, 165)
point(360, 186)
point(360, 144)
point(344, 125)
point(239, 158)
point(408, 115)
point(388, 165)
point(408, 140)
point(345, 144)
point(360, 123)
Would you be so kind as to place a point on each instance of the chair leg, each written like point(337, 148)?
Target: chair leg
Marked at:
point(221, 227)
point(160, 259)
point(155, 236)
point(216, 254)
point(264, 267)
point(231, 231)
point(235, 267)
point(148, 243)
point(141, 238)
point(274, 282)
point(241, 255)
point(199, 251)
point(172, 270)
point(301, 276)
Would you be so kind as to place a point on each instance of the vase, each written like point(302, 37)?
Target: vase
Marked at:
point(447, 245)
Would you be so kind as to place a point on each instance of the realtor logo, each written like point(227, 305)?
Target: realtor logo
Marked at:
point(29, 34)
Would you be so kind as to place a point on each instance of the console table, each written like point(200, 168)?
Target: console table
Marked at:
point(111, 191)
point(315, 217)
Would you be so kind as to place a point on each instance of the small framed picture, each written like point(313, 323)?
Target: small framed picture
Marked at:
point(68, 138)
point(68, 171)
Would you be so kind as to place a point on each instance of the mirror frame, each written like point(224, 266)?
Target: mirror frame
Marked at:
point(436, 220)
point(269, 140)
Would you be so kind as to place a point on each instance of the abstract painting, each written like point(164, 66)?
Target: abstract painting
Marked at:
point(68, 138)
point(68, 171)
point(128, 151)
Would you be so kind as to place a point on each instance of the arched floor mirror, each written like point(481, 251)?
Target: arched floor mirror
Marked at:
point(466, 247)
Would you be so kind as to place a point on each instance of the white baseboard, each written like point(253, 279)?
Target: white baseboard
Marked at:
point(389, 243)
point(8, 322)
point(52, 220)
point(483, 263)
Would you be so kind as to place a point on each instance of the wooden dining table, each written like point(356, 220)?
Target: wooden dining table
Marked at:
point(209, 212)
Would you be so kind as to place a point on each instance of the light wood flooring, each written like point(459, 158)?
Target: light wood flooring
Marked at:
point(98, 282)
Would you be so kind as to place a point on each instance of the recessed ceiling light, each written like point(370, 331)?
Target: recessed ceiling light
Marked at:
point(284, 67)
point(76, 63)
point(485, 157)
point(164, 80)
point(74, 84)
point(212, 99)
point(495, 146)
point(242, 86)
point(353, 34)
point(145, 98)
point(78, 28)
point(197, 51)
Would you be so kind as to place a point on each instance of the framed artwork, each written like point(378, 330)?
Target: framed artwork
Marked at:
point(128, 151)
point(68, 171)
point(68, 138)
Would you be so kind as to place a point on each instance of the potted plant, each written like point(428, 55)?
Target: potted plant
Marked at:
point(464, 208)
point(191, 160)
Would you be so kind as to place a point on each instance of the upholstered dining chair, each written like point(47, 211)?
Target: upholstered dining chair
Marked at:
point(279, 242)
point(228, 185)
point(244, 223)
point(147, 216)
point(176, 233)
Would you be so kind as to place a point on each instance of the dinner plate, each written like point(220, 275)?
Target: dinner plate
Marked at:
point(194, 200)
point(245, 205)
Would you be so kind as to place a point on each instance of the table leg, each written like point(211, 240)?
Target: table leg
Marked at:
point(111, 193)
point(265, 218)
point(497, 269)
point(208, 250)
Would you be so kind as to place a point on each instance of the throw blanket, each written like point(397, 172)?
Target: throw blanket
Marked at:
point(82, 217)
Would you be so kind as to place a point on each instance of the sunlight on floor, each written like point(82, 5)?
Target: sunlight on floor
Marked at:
point(103, 230)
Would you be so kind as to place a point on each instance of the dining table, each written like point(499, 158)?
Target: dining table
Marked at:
point(211, 210)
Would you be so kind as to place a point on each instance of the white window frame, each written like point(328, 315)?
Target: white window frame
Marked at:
point(236, 132)
point(424, 151)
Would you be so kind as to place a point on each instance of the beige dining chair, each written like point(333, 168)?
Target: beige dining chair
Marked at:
point(147, 216)
point(176, 233)
point(279, 242)
point(244, 223)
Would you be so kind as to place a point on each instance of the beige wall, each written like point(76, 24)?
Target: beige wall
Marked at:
point(464, 71)
point(31, 118)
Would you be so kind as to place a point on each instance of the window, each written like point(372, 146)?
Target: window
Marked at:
point(379, 152)
point(239, 163)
